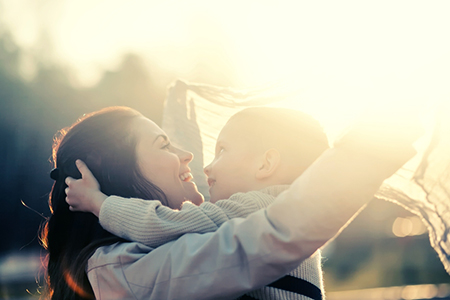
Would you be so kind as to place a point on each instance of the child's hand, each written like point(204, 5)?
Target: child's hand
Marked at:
point(84, 194)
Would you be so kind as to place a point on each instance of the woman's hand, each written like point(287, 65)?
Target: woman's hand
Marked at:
point(84, 194)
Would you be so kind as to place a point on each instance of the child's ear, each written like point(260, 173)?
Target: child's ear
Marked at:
point(269, 163)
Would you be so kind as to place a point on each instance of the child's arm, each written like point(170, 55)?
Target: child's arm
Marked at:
point(151, 223)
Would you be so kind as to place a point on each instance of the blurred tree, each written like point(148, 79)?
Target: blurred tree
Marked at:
point(32, 111)
point(367, 254)
point(18, 147)
point(130, 85)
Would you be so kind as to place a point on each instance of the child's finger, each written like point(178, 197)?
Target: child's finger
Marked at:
point(84, 170)
point(70, 203)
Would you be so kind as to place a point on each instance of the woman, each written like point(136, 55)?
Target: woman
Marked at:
point(107, 141)
point(117, 144)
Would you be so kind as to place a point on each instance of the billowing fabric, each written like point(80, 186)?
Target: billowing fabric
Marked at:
point(195, 113)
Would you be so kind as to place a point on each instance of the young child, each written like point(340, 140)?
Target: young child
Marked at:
point(259, 152)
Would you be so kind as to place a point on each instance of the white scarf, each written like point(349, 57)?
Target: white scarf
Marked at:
point(195, 113)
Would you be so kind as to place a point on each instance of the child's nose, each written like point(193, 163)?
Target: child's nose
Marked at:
point(207, 169)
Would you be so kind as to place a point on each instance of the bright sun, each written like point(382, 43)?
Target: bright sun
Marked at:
point(344, 57)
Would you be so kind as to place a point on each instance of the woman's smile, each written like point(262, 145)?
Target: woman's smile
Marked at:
point(165, 165)
point(187, 176)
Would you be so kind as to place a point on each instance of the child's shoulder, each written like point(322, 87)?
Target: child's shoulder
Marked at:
point(269, 192)
point(261, 198)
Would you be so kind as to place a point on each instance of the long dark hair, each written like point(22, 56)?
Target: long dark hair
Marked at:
point(106, 142)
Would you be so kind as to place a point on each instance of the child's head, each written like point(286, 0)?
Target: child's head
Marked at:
point(263, 146)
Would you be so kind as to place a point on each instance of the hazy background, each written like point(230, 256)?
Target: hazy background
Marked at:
point(60, 59)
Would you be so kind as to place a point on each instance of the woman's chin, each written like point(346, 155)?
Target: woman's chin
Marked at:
point(197, 199)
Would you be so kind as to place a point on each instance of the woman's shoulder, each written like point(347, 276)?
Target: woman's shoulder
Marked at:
point(117, 253)
point(113, 274)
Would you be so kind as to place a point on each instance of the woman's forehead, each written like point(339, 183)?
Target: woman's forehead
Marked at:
point(149, 128)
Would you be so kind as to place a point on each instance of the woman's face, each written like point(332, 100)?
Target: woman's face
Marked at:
point(165, 165)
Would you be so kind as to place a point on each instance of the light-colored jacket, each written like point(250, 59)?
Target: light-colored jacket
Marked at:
point(152, 224)
point(246, 254)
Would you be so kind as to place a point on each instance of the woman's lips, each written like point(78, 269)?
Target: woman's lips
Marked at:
point(187, 176)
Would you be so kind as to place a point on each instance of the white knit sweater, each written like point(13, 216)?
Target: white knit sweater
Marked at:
point(151, 223)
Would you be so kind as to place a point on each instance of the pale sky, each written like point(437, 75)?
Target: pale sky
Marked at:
point(336, 51)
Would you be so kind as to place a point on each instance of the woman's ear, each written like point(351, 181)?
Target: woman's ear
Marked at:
point(270, 161)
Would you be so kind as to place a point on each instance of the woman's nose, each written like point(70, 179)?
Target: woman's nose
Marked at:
point(185, 156)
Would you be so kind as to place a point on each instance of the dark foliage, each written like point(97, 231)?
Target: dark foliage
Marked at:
point(31, 112)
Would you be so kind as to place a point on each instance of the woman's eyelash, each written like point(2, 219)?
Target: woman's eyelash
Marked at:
point(167, 146)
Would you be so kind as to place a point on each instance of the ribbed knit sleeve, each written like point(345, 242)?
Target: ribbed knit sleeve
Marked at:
point(153, 224)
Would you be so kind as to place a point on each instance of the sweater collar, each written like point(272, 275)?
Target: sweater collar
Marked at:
point(275, 190)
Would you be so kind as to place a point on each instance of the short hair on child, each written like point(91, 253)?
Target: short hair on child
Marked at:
point(299, 138)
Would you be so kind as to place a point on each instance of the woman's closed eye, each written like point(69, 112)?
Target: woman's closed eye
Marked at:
point(166, 146)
